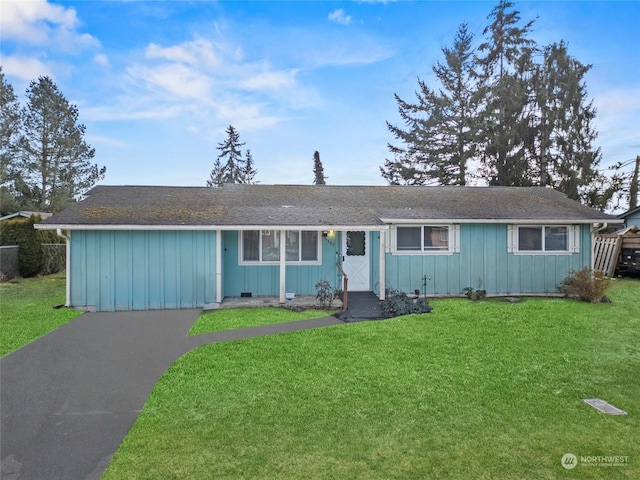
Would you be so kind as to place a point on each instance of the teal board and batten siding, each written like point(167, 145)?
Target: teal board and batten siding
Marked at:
point(142, 270)
point(484, 263)
point(264, 280)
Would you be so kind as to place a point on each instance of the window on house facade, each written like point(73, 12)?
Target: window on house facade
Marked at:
point(263, 246)
point(423, 238)
point(541, 238)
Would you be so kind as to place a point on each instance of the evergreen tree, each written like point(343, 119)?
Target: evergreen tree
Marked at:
point(318, 170)
point(9, 133)
point(52, 165)
point(561, 151)
point(30, 253)
point(230, 165)
point(439, 140)
point(248, 172)
point(506, 71)
point(231, 156)
point(525, 121)
point(215, 178)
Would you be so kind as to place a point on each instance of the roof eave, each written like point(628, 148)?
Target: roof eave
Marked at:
point(532, 221)
point(122, 227)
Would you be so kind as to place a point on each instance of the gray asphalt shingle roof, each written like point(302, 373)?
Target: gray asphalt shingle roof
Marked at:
point(306, 205)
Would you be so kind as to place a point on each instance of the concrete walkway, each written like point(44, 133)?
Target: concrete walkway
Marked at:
point(68, 399)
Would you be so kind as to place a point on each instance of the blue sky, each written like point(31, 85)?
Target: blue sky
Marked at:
point(157, 83)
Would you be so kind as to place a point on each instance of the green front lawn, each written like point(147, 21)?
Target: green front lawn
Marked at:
point(474, 390)
point(233, 318)
point(26, 310)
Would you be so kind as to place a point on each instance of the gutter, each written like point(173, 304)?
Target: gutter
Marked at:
point(67, 241)
point(212, 227)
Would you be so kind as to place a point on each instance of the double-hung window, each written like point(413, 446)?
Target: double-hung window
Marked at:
point(423, 239)
point(263, 246)
point(543, 238)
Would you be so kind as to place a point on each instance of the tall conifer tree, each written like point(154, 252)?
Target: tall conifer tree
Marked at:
point(231, 166)
point(53, 161)
point(9, 133)
point(506, 70)
point(318, 170)
point(438, 140)
point(561, 152)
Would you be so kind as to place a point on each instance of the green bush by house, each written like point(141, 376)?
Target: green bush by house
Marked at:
point(33, 258)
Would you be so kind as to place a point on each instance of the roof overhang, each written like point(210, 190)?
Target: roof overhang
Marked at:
point(519, 221)
point(381, 227)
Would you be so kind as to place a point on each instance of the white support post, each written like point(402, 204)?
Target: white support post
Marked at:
point(382, 280)
point(219, 266)
point(67, 241)
point(283, 269)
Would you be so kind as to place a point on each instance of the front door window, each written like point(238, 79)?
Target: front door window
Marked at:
point(356, 244)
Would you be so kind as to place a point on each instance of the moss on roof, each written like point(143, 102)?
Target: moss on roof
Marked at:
point(322, 205)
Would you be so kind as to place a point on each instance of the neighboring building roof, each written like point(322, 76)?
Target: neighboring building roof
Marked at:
point(25, 214)
point(630, 212)
point(316, 205)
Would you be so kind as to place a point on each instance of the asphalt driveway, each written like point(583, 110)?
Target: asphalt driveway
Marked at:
point(69, 398)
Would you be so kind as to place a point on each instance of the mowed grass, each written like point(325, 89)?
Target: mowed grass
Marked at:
point(26, 310)
point(484, 390)
point(234, 318)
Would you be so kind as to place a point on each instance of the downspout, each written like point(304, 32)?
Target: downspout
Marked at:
point(67, 241)
point(594, 231)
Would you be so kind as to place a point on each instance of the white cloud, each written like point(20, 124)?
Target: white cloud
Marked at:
point(107, 141)
point(617, 122)
point(618, 101)
point(172, 79)
point(270, 80)
point(198, 52)
point(25, 68)
point(244, 115)
point(41, 23)
point(124, 109)
point(102, 60)
point(339, 16)
point(340, 55)
point(210, 80)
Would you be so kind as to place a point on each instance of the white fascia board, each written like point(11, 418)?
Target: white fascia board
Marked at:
point(308, 227)
point(212, 227)
point(447, 221)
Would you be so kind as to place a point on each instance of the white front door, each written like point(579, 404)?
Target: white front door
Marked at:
point(355, 260)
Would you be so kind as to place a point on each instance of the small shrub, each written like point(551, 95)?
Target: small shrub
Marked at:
point(53, 258)
point(326, 294)
point(473, 294)
point(585, 285)
point(398, 303)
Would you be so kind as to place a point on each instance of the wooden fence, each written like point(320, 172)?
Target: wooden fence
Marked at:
point(606, 249)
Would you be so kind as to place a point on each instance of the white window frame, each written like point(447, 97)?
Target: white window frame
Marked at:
point(452, 236)
point(258, 262)
point(573, 239)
